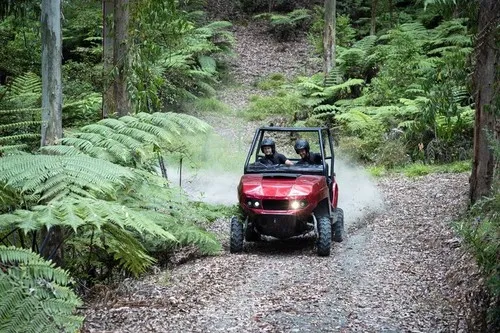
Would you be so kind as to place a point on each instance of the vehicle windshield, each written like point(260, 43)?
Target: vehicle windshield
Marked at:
point(317, 162)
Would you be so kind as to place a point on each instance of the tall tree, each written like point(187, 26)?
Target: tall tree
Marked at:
point(108, 98)
point(487, 98)
point(51, 72)
point(120, 56)
point(329, 37)
point(51, 101)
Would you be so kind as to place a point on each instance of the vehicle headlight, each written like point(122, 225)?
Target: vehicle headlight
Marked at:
point(298, 204)
point(253, 203)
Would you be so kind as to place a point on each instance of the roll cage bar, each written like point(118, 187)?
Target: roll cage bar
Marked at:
point(324, 136)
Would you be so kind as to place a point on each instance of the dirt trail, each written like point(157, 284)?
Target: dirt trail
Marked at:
point(401, 269)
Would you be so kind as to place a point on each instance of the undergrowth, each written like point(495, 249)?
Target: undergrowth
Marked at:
point(480, 229)
point(420, 169)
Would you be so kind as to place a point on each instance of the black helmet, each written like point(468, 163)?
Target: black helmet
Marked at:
point(301, 144)
point(268, 142)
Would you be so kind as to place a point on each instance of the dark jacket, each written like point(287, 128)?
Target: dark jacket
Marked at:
point(275, 158)
point(311, 158)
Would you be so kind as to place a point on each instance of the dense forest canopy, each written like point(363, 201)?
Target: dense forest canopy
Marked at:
point(411, 82)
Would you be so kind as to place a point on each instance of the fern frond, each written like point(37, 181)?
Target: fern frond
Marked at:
point(325, 108)
point(121, 244)
point(35, 294)
point(18, 137)
point(207, 64)
point(19, 125)
point(20, 110)
point(313, 101)
point(26, 84)
point(40, 174)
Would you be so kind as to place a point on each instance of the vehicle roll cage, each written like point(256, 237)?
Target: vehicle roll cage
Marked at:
point(323, 134)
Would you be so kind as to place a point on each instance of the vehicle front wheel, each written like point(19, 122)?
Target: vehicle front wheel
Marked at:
point(324, 241)
point(338, 226)
point(236, 237)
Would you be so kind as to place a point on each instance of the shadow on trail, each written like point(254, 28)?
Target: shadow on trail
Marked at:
point(291, 246)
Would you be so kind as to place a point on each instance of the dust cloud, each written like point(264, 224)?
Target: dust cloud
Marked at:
point(217, 173)
point(358, 192)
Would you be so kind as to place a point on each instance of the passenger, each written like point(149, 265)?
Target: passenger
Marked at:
point(271, 157)
point(306, 157)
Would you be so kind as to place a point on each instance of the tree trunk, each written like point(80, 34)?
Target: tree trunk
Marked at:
point(391, 23)
point(108, 97)
point(51, 103)
point(329, 37)
point(373, 22)
point(120, 56)
point(51, 72)
point(486, 84)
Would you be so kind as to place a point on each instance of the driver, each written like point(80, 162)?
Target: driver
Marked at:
point(306, 157)
point(271, 157)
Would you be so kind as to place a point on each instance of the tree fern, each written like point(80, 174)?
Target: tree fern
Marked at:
point(24, 91)
point(44, 178)
point(170, 55)
point(178, 217)
point(130, 140)
point(35, 295)
point(358, 121)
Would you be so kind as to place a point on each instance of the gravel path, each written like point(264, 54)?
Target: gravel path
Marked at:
point(401, 268)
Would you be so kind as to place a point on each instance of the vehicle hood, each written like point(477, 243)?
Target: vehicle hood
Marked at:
point(280, 186)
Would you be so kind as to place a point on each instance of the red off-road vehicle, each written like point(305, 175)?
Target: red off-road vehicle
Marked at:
point(284, 201)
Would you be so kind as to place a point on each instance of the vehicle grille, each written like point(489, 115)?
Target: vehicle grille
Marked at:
point(275, 204)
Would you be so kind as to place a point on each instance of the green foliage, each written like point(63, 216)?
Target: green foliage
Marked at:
point(451, 8)
point(24, 91)
point(359, 59)
point(115, 211)
point(282, 103)
point(391, 153)
point(173, 57)
point(83, 110)
point(272, 82)
point(418, 169)
point(20, 115)
point(35, 295)
point(404, 64)
point(286, 26)
point(45, 178)
point(130, 140)
point(21, 46)
point(481, 232)
point(480, 228)
point(344, 33)
point(208, 105)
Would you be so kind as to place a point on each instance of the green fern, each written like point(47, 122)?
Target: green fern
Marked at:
point(35, 295)
point(20, 121)
point(130, 140)
point(42, 178)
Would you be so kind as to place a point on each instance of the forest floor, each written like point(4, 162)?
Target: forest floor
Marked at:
point(400, 269)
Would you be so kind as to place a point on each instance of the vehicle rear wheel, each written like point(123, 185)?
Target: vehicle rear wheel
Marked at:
point(338, 226)
point(236, 238)
point(251, 235)
point(324, 241)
